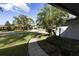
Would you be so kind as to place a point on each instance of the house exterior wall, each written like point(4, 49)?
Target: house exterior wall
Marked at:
point(62, 29)
point(72, 31)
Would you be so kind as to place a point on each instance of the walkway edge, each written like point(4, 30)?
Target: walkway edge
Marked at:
point(34, 49)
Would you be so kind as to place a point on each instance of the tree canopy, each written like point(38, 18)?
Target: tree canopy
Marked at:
point(50, 18)
point(22, 21)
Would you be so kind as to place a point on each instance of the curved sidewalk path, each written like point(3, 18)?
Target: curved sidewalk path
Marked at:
point(34, 49)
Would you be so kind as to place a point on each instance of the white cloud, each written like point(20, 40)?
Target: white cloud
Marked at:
point(6, 6)
point(21, 6)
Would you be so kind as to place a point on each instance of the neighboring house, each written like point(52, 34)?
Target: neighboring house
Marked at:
point(2, 27)
point(71, 30)
point(16, 27)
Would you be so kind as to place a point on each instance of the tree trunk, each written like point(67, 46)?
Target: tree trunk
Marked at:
point(54, 32)
point(59, 31)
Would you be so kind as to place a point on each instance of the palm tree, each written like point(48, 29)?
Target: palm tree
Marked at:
point(50, 18)
point(44, 18)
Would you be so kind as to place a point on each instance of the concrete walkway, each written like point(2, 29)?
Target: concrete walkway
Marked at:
point(34, 49)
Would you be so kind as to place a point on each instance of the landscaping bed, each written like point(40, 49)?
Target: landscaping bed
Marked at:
point(60, 46)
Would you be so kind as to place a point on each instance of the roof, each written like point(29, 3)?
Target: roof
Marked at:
point(73, 8)
point(2, 26)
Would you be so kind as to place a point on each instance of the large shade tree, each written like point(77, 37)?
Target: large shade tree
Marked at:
point(50, 18)
point(23, 22)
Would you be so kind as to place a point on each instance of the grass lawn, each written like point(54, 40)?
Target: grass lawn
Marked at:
point(15, 44)
point(60, 46)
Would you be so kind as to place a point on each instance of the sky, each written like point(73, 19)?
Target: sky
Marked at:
point(8, 10)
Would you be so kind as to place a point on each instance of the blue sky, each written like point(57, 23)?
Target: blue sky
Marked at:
point(10, 10)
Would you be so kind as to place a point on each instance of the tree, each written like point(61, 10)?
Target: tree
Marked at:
point(8, 25)
point(50, 18)
point(23, 21)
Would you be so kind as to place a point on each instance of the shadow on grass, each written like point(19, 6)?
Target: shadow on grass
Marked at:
point(11, 38)
point(20, 50)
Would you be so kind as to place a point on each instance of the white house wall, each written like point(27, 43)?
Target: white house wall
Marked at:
point(63, 28)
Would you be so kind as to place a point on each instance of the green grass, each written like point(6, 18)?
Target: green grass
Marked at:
point(60, 46)
point(15, 44)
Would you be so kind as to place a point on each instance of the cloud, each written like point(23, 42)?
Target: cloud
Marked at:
point(6, 7)
point(10, 6)
point(22, 6)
